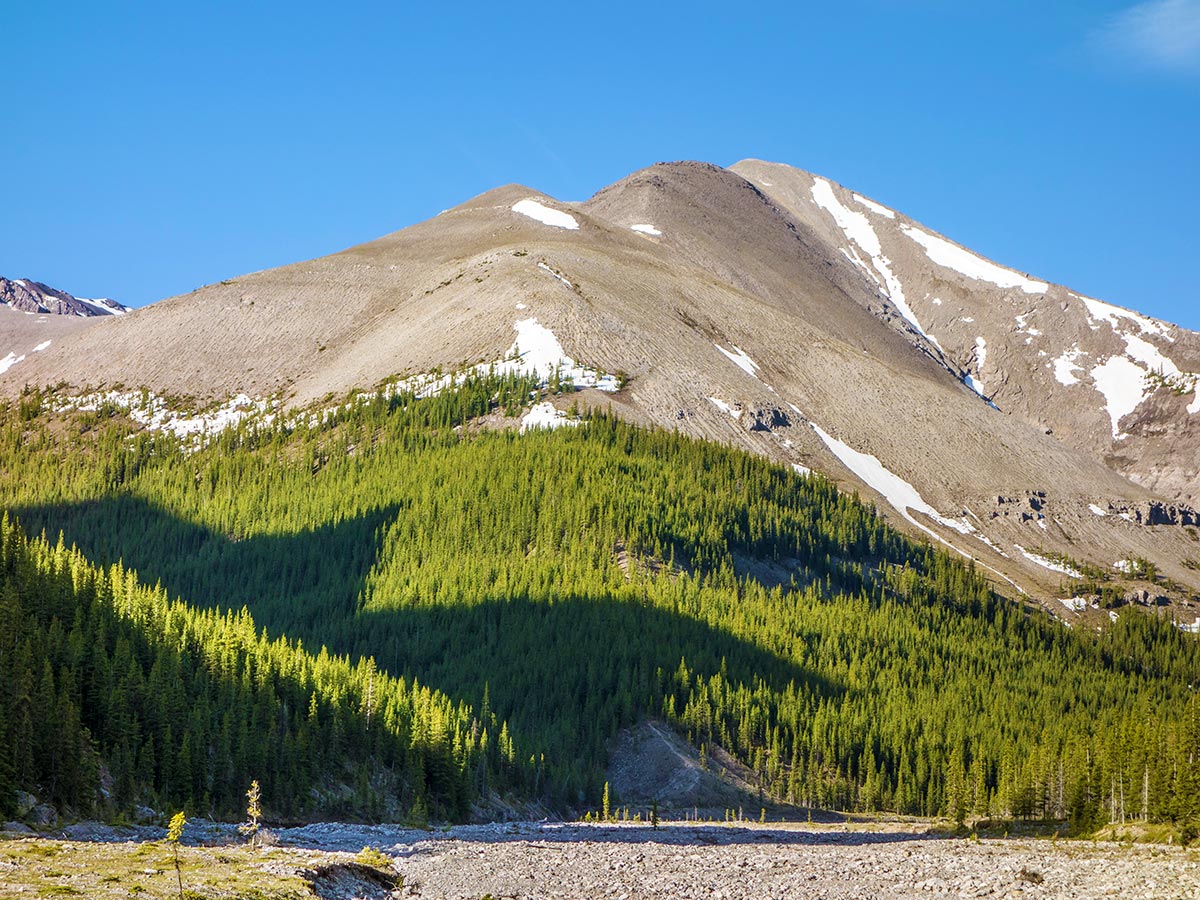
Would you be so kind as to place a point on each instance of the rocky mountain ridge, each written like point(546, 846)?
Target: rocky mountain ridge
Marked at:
point(36, 298)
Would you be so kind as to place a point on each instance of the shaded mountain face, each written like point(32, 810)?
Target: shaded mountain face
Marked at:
point(40, 299)
point(760, 306)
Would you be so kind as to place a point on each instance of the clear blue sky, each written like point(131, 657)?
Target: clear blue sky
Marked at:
point(148, 149)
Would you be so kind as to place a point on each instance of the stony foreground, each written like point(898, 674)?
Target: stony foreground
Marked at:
point(752, 862)
point(601, 861)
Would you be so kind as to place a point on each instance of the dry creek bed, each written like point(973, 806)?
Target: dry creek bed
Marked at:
point(727, 862)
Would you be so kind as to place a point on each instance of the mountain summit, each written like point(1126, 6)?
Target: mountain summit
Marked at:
point(37, 298)
point(1029, 427)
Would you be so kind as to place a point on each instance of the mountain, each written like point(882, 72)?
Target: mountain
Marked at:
point(40, 299)
point(33, 316)
point(1041, 433)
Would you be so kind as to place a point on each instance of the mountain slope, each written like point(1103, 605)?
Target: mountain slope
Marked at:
point(1117, 384)
point(574, 581)
point(741, 312)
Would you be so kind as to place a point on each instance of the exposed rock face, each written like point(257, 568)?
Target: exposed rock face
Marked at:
point(37, 298)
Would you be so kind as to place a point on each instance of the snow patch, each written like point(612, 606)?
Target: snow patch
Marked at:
point(9, 361)
point(1144, 352)
point(1194, 628)
point(801, 470)
point(1049, 563)
point(952, 256)
point(1124, 565)
point(1077, 604)
point(546, 268)
point(1106, 312)
point(104, 305)
point(858, 228)
point(536, 352)
point(544, 415)
point(151, 411)
point(544, 214)
point(1194, 406)
point(1065, 367)
point(1122, 382)
point(899, 493)
point(739, 358)
point(980, 354)
point(725, 407)
point(1097, 510)
point(875, 207)
point(646, 229)
point(42, 346)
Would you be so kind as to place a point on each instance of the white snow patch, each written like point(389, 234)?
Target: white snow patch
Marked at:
point(1113, 616)
point(536, 352)
point(1077, 604)
point(1121, 381)
point(21, 282)
point(1124, 565)
point(1097, 510)
point(1194, 406)
point(151, 411)
point(646, 229)
point(1194, 628)
point(858, 228)
point(970, 319)
point(544, 214)
point(951, 256)
point(546, 268)
point(1106, 312)
point(104, 305)
point(42, 346)
point(980, 354)
point(544, 415)
point(937, 301)
point(520, 306)
point(1065, 367)
point(898, 492)
point(725, 407)
point(739, 358)
point(1049, 563)
point(1145, 352)
point(9, 361)
point(801, 470)
point(875, 207)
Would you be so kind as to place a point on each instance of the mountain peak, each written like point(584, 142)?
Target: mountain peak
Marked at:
point(24, 295)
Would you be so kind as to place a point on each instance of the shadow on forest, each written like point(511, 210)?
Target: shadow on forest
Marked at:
point(572, 669)
point(300, 582)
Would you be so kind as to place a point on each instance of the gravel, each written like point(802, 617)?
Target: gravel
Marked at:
point(727, 862)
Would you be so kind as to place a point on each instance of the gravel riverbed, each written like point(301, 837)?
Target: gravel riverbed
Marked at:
point(722, 862)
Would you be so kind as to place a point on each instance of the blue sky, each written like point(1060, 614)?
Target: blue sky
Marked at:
point(151, 148)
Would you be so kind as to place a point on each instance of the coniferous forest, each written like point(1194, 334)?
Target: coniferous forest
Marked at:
point(385, 608)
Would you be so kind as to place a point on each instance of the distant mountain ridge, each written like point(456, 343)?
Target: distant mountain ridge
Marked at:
point(34, 297)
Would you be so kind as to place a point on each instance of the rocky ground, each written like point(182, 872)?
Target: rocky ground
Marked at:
point(624, 861)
